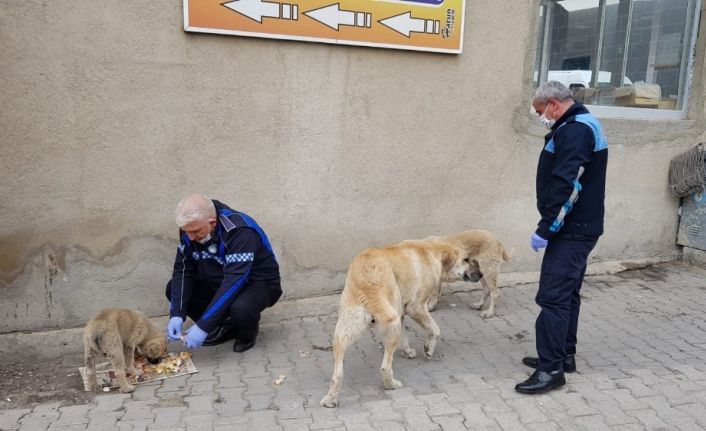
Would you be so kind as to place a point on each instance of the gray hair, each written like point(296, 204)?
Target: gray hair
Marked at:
point(194, 207)
point(552, 90)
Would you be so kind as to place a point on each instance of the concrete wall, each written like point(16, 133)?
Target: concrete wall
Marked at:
point(111, 113)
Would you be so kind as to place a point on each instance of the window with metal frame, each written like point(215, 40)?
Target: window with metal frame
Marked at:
point(624, 58)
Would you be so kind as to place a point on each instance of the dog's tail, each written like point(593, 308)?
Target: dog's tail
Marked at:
point(382, 311)
point(371, 296)
point(367, 278)
point(94, 339)
point(507, 256)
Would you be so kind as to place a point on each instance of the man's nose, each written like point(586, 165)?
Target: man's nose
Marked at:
point(191, 236)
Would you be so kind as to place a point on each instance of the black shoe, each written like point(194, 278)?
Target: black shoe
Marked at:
point(541, 381)
point(240, 346)
point(569, 363)
point(219, 335)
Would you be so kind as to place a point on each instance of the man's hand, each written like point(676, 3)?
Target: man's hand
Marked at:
point(195, 337)
point(537, 242)
point(174, 328)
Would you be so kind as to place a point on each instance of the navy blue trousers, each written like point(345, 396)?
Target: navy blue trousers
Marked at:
point(563, 269)
point(244, 311)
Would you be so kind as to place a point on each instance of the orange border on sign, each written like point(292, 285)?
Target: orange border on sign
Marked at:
point(211, 16)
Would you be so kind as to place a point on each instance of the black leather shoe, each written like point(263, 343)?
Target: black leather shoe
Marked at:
point(569, 363)
point(219, 335)
point(541, 381)
point(240, 346)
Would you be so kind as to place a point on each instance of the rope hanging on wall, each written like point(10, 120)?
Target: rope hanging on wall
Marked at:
point(687, 171)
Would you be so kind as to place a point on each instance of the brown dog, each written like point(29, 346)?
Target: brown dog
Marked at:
point(116, 334)
point(486, 254)
point(382, 286)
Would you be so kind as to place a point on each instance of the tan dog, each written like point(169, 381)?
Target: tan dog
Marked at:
point(382, 286)
point(486, 254)
point(116, 334)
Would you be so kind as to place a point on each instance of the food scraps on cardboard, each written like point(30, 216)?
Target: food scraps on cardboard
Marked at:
point(173, 365)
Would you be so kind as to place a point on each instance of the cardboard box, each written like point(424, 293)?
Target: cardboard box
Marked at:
point(638, 95)
point(667, 103)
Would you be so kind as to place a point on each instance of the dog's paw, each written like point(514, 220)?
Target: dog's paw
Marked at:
point(328, 401)
point(432, 306)
point(477, 305)
point(428, 352)
point(486, 314)
point(409, 354)
point(392, 384)
point(127, 389)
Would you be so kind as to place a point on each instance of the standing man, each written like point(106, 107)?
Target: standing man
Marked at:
point(571, 177)
point(225, 274)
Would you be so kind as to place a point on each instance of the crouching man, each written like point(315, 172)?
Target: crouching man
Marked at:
point(225, 274)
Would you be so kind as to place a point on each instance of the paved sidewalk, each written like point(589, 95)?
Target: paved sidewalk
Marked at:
point(642, 344)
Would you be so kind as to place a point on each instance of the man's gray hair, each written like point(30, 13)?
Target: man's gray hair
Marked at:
point(194, 207)
point(552, 90)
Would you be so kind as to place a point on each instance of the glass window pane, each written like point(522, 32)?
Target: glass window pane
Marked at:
point(574, 31)
point(573, 43)
point(655, 49)
point(613, 46)
point(617, 52)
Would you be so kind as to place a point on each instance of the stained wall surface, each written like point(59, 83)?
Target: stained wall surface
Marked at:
point(111, 113)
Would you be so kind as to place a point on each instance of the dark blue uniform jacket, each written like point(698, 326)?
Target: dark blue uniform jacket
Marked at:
point(238, 253)
point(571, 176)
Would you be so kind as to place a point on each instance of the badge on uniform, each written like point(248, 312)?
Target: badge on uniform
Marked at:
point(212, 249)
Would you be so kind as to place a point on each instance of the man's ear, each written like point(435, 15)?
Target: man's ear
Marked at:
point(212, 222)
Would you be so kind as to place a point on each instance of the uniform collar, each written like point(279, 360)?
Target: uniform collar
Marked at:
point(575, 109)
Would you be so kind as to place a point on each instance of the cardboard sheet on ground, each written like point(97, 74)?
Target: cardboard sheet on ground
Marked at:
point(174, 365)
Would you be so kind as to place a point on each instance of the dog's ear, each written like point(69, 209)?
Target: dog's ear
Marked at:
point(449, 258)
point(155, 348)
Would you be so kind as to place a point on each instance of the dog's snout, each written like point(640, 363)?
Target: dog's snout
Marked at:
point(473, 277)
point(153, 361)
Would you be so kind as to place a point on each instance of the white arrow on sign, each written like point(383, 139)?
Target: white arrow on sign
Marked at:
point(405, 24)
point(254, 9)
point(332, 16)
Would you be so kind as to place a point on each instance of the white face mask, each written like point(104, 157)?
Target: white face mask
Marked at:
point(546, 122)
point(543, 120)
point(205, 239)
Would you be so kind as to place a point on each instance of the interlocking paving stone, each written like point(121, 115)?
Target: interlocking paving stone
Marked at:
point(167, 417)
point(9, 419)
point(640, 366)
point(73, 415)
point(106, 421)
point(198, 422)
point(69, 427)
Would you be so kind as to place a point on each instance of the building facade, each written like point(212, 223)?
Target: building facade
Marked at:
point(111, 113)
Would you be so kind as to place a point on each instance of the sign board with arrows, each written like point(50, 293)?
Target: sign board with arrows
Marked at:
point(422, 25)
